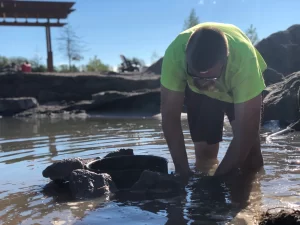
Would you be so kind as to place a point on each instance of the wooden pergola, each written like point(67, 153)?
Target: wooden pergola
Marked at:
point(36, 10)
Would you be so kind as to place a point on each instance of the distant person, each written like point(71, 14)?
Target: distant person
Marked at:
point(218, 70)
point(26, 67)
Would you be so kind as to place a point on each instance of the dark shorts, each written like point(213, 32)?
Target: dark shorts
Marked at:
point(206, 117)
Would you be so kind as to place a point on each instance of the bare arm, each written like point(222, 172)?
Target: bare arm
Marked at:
point(245, 133)
point(171, 106)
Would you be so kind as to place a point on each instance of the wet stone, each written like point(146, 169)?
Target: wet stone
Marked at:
point(62, 169)
point(120, 152)
point(85, 184)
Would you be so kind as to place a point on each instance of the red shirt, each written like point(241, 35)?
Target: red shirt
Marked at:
point(26, 68)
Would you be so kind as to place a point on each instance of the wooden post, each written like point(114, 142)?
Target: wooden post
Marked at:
point(49, 50)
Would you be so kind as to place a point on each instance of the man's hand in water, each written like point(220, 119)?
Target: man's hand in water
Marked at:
point(184, 176)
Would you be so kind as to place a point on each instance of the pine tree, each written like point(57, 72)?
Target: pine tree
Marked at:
point(252, 34)
point(191, 21)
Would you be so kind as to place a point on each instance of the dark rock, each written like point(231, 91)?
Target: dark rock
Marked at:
point(281, 50)
point(157, 183)
point(282, 101)
point(120, 152)
point(271, 76)
point(48, 96)
point(10, 106)
point(126, 170)
point(85, 184)
point(62, 169)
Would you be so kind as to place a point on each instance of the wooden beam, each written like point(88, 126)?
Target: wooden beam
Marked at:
point(33, 14)
point(32, 24)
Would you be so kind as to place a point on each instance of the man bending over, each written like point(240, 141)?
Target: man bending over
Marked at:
point(218, 70)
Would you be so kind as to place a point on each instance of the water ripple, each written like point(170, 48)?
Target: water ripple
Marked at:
point(27, 147)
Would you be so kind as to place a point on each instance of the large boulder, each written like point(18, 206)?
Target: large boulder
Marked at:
point(281, 50)
point(282, 101)
point(85, 184)
point(10, 106)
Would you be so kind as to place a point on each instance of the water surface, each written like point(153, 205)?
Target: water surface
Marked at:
point(28, 146)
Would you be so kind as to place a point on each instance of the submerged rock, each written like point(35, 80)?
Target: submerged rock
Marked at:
point(85, 184)
point(11, 106)
point(62, 169)
point(120, 152)
point(157, 183)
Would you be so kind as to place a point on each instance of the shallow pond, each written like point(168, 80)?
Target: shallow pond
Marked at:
point(28, 146)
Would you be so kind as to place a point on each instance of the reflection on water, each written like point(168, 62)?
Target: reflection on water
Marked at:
point(28, 146)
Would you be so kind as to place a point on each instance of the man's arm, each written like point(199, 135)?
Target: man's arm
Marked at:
point(171, 106)
point(245, 134)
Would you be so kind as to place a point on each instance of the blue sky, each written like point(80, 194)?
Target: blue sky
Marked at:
point(137, 28)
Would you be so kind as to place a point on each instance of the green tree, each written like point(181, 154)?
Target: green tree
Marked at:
point(96, 65)
point(40, 68)
point(4, 61)
point(191, 21)
point(18, 60)
point(252, 34)
point(63, 68)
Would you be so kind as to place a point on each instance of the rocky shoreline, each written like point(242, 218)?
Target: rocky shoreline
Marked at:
point(81, 94)
point(40, 95)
